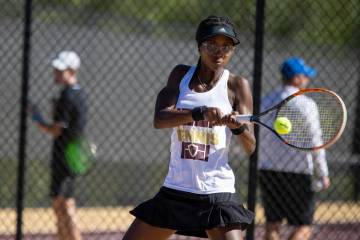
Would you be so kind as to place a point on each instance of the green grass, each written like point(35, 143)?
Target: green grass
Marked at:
point(128, 183)
point(331, 22)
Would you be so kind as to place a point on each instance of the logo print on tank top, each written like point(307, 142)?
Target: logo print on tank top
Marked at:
point(196, 139)
point(195, 151)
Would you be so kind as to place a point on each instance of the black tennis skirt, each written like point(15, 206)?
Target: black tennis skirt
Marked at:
point(191, 214)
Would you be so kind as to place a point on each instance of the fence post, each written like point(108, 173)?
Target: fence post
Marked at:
point(23, 116)
point(257, 74)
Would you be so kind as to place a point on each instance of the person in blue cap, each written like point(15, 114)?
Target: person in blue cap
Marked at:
point(294, 69)
point(288, 177)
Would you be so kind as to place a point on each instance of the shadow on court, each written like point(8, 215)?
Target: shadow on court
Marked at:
point(321, 232)
point(87, 236)
point(348, 231)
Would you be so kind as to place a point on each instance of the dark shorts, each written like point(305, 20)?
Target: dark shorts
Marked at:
point(287, 195)
point(191, 214)
point(62, 182)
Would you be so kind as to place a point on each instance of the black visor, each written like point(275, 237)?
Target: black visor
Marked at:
point(205, 32)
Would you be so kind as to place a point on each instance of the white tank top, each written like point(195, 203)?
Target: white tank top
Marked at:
point(199, 152)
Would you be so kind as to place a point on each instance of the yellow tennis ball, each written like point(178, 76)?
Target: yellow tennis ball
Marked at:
point(282, 125)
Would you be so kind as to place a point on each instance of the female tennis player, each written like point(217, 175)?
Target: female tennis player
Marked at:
point(199, 103)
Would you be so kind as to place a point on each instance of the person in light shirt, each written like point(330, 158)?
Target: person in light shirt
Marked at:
point(289, 177)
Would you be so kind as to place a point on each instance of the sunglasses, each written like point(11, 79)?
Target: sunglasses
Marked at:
point(215, 49)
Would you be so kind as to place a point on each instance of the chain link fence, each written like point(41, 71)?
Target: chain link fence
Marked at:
point(127, 50)
point(322, 33)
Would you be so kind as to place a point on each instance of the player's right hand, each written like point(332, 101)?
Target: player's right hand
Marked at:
point(35, 112)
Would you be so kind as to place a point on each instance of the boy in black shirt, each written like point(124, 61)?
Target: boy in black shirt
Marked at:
point(69, 121)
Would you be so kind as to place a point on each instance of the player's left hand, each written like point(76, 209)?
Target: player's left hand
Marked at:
point(326, 182)
point(230, 121)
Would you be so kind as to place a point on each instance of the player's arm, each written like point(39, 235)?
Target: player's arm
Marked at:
point(166, 115)
point(321, 170)
point(241, 97)
point(54, 129)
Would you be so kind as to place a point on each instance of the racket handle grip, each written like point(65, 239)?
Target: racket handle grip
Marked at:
point(243, 118)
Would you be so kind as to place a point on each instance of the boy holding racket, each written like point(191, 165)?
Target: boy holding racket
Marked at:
point(287, 175)
point(69, 121)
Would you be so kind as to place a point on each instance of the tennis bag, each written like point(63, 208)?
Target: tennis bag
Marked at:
point(80, 155)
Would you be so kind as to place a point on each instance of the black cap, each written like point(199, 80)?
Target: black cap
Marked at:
point(214, 25)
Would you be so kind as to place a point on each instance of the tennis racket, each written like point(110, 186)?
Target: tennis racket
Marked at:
point(317, 116)
point(80, 156)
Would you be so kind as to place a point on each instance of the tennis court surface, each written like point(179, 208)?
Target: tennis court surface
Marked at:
point(333, 221)
point(321, 232)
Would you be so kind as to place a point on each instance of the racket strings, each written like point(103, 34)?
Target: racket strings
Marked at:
point(316, 119)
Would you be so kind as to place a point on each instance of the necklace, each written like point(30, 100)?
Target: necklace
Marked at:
point(203, 84)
